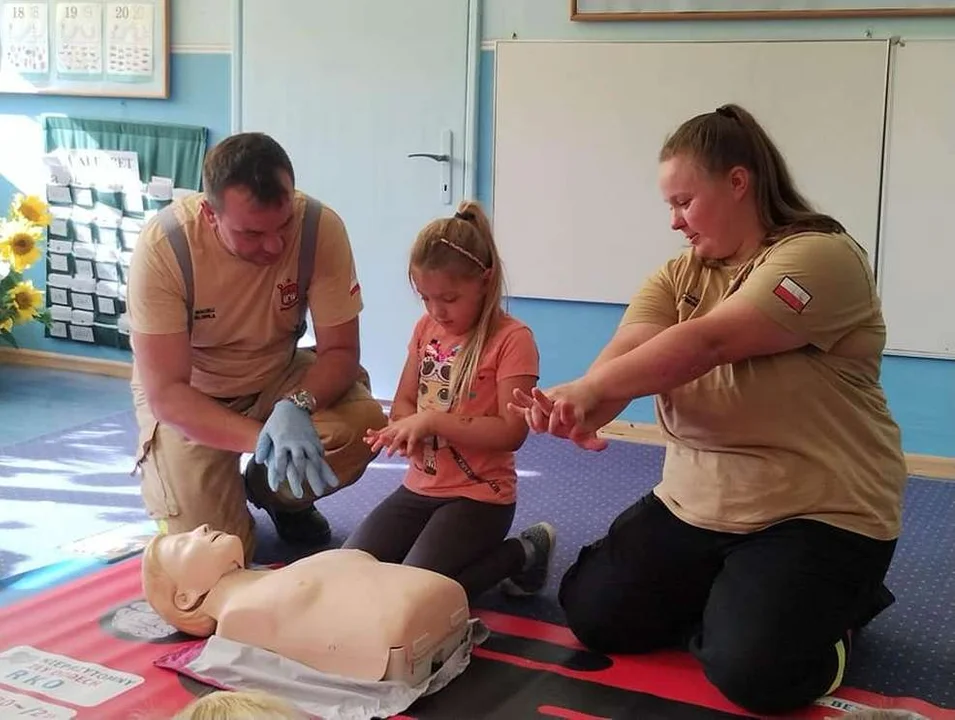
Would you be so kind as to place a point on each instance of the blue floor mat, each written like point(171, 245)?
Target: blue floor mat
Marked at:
point(72, 484)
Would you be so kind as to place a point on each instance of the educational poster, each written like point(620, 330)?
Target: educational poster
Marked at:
point(690, 9)
point(78, 40)
point(129, 41)
point(99, 48)
point(24, 38)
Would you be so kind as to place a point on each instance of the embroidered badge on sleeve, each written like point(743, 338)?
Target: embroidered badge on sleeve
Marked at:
point(793, 294)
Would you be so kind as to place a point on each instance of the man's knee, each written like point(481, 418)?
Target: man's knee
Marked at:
point(343, 430)
point(184, 485)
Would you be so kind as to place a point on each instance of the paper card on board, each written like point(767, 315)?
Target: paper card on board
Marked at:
point(16, 705)
point(63, 678)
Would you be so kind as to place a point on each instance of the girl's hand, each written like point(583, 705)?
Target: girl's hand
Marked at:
point(401, 436)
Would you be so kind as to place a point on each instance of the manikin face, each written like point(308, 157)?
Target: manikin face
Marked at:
point(704, 207)
point(197, 560)
point(453, 302)
point(249, 230)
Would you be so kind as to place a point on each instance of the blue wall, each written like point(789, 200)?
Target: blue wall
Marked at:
point(201, 95)
point(921, 392)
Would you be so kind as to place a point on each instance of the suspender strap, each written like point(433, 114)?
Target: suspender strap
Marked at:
point(306, 256)
point(177, 238)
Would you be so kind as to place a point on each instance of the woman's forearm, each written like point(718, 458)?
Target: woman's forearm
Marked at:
point(668, 360)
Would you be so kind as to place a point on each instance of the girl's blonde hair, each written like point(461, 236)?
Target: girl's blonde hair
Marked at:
point(244, 705)
point(463, 245)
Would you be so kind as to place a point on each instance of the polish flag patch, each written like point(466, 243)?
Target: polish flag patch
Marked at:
point(793, 294)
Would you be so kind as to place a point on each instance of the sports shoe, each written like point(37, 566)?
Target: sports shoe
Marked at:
point(303, 527)
point(306, 526)
point(542, 538)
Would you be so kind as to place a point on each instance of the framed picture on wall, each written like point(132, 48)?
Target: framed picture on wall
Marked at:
point(630, 10)
point(99, 48)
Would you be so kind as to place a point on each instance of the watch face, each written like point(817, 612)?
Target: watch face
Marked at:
point(304, 399)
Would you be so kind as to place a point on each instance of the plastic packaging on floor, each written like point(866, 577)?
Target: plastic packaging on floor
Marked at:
point(229, 665)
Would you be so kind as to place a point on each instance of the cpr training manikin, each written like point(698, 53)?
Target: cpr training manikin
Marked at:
point(341, 613)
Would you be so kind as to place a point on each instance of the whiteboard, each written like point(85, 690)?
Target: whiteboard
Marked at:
point(917, 250)
point(578, 127)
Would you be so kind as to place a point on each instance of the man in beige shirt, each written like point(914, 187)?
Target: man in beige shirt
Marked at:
point(220, 282)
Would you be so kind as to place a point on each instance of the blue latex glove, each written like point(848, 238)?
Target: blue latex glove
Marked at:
point(292, 451)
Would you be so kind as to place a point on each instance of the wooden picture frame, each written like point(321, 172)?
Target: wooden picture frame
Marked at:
point(91, 48)
point(783, 10)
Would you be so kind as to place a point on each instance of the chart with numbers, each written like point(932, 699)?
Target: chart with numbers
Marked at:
point(24, 38)
point(129, 39)
point(79, 38)
point(98, 48)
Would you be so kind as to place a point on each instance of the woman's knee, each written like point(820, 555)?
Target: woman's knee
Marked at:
point(605, 614)
point(770, 682)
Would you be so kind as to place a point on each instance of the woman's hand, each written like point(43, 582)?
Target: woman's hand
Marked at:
point(401, 436)
point(561, 411)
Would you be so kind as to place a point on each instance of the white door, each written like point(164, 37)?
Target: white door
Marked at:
point(351, 88)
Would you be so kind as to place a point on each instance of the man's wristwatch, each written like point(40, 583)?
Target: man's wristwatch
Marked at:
point(303, 399)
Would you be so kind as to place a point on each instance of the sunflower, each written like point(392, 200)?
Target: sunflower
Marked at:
point(27, 301)
point(31, 208)
point(19, 244)
point(6, 325)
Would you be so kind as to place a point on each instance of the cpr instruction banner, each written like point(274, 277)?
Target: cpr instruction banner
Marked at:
point(63, 678)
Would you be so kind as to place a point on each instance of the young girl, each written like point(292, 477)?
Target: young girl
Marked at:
point(241, 705)
point(450, 419)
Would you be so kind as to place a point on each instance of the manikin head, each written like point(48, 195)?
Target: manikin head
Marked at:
point(729, 188)
point(179, 570)
point(249, 187)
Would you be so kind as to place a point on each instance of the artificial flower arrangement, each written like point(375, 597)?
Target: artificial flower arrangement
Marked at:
point(20, 235)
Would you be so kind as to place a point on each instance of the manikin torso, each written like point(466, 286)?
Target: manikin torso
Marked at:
point(338, 611)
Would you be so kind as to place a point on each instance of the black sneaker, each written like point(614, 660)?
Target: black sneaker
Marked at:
point(881, 600)
point(306, 526)
point(303, 527)
point(533, 578)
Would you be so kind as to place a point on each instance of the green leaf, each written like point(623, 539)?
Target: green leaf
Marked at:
point(7, 336)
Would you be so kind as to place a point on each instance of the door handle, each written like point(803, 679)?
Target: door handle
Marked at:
point(432, 156)
point(444, 157)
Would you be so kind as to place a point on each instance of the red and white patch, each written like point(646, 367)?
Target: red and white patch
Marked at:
point(354, 289)
point(288, 295)
point(793, 294)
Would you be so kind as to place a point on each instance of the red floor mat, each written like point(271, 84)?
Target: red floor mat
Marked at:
point(86, 650)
